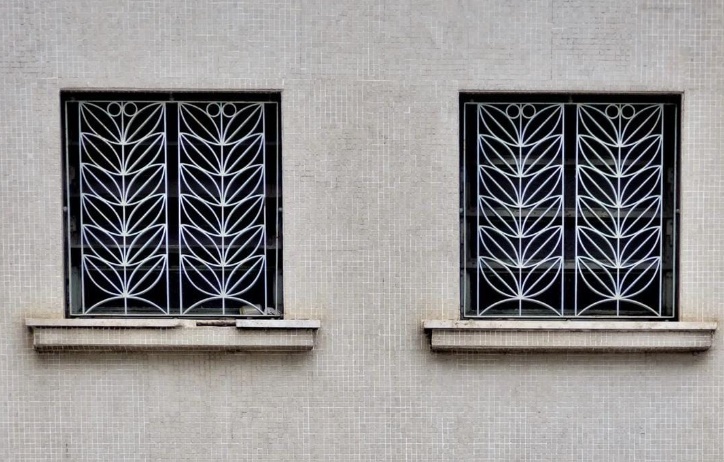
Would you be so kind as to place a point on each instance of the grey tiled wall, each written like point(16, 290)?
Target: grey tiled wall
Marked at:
point(370, 125)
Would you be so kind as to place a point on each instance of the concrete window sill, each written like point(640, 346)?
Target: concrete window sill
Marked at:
point(570, 336)
point(268, 335)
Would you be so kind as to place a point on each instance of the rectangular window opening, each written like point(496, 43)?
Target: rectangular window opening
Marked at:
point(569, 205)
point(172, 204)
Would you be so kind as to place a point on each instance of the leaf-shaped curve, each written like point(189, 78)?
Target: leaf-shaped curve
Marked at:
point(247, 182)
point(545, 123)
point(244, 275)
point(643, 245)
point(201, 245)
point(102, 244)
point(597, 246)
point(498, 247)
point(241, 155)
point(502, 217)
point(100, 122)
point(244, 214)
point(499, 155)
point(246, 122)
point(99, 152)
point(640, 277)
point(146, 275)
point(646, 152)
point(498, 124)
point(640, 185)
point(101, 183)
point(146, 212)
point(541, 277)
point(597, 217)
point(598, 185)
point(201, 214)
point(104, 275)
point(598, 124)
point(195, 120)
point(543, 246)
point(200, 275)
point(146, 121)
point(542, 185)
point(146, 182)
point(148, 151)
point(597, 155)
point(244, 245)
point(147, 242)
point(195, 151)
point(543, 154)
point(646, 215)
point(102, 214)
point(500, 277)
point(544, 215)
point(200, 183)
point(644, 122)
point(499, 185)
point(597, 278)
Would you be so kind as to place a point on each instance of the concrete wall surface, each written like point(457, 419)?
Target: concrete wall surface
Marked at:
point(371, 152)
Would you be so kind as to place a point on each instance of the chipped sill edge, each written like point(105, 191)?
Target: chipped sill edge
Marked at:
point(269, 335)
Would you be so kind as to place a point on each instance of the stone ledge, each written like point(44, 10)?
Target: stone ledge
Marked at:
point(172, 335)
point(104, 323)
point(573, 336)
point(277, 324)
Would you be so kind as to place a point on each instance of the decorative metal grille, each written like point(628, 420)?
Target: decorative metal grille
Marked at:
point(173, 207)
point(569, 208)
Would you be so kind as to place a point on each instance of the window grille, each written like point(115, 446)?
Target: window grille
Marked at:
point(569, 206)
point(173, 204)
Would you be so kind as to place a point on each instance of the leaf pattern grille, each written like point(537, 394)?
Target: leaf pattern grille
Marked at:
point(169, 208)
point(221, 231)
point(520, 204)
point(572, 209)
point(619, 197)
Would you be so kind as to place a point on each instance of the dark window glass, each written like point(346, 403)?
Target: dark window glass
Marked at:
point(569, 206)
point(173, 204)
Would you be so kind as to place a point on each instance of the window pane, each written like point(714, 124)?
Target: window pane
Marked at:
point(173, 205)
point(569, 206)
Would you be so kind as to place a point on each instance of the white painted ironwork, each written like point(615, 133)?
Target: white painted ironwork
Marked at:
point(123, 205)
point(520, 203)
point(222, 229)
point(619, 200)
point(606, 197)
point(131, 209)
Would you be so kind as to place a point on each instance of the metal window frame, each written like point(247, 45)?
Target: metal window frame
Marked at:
point(467, 295)
point(271, 208)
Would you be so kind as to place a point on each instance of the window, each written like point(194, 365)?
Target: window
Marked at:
point(173, 204)
point(569, 206)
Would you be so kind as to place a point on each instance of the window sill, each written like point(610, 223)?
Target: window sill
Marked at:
point(269, 335)
point(569, 336)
